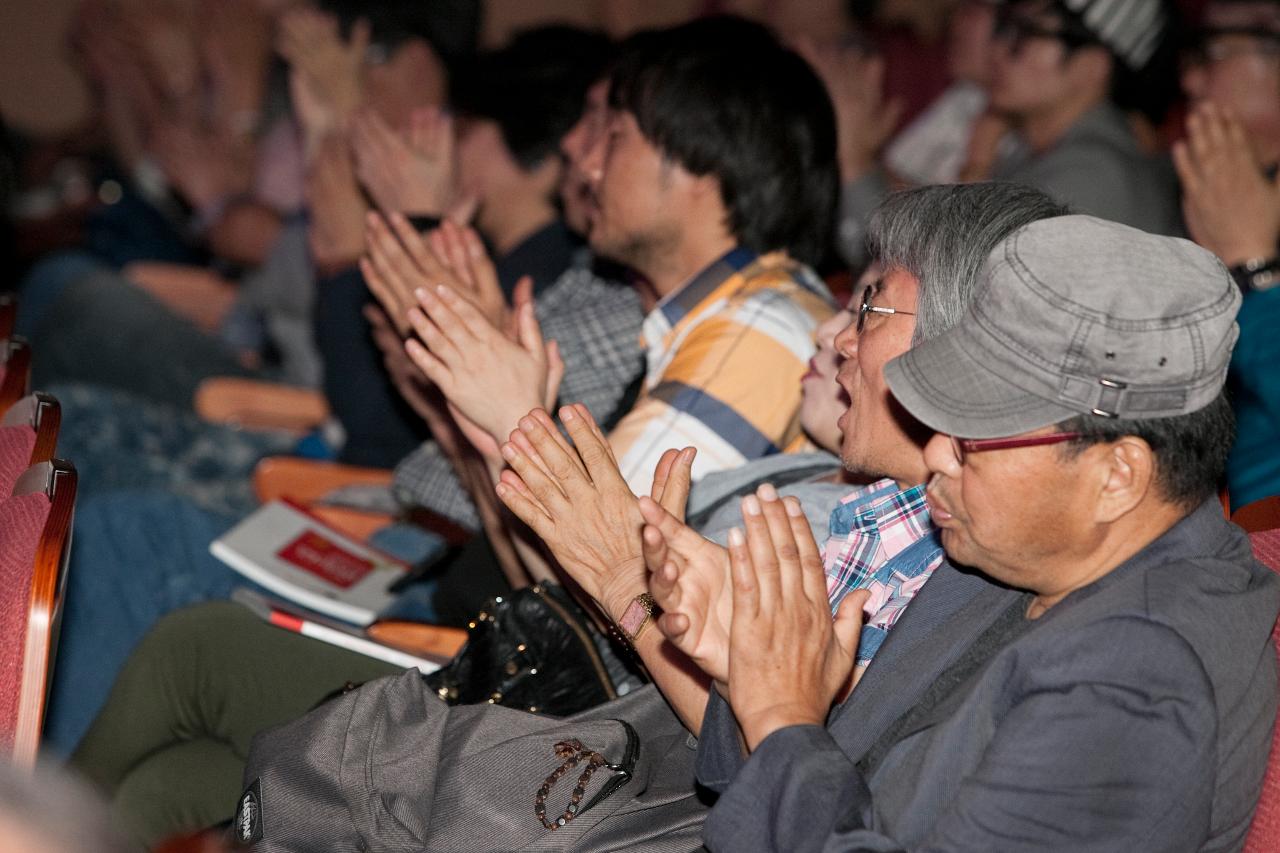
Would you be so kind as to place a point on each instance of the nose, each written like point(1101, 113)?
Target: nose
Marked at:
point(831, 328)
point(940, 456)
point(1193, 81)
point(845, 341)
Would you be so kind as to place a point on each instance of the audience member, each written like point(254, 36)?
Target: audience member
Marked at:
point(1124, 691)
point(942, 235)
point(1059, 69)
point(1231, 205)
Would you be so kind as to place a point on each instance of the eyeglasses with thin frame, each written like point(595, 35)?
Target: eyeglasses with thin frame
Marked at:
point(865, 307)
point(1017, 29)
point(1217, 44)
point(964, 446)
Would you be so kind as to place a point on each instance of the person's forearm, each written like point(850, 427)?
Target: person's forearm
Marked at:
point(245, 233)
point(478, 480)
point(684, 686)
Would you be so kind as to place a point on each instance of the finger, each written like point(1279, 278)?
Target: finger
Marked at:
point(546, 486)
point(361, 32)
point(555, 374)
point(413, 244)
point(674, 627)
point(594, 453)
point(848, 622)
point(585, 413)
point(441, 347)
point(654, 550)
point(682, 540)
point(448, 323)
point(1185, 167)
point(549, 432)
point(456, 251)
point(813, 576)
point(661, 472)
point(486, 275)
point(522, 504)
point(530, 332)
point(464, 312)
point(521, 295)
point(676, 498)
point(785, 551)
point(378, 287)
point(764, 559)
point(432, 367)
point(747, 599)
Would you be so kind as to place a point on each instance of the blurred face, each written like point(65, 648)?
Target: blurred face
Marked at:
point(878, 437)
point(1032, 69)
point(575, 185)
point(639, 195)
point(1238, 70)
point(970, 32)
point(1015, 513)
point(822, 400)
point(484, 163)
point(398, 83)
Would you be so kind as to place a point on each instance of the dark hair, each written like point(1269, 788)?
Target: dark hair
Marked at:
point(1191, 450)
point(723, 97)
point(533, 88)
point(451, 27)
point(1152, 89)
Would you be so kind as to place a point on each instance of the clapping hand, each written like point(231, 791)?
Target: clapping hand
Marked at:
point(488, 378)
point(575, 499)
point(400, 262)
point(854, 78)
point(788, 660)
point(1230, 206)
point(326, 73)
point(411, 173)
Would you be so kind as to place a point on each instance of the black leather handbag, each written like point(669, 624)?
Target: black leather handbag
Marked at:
point(532, 649)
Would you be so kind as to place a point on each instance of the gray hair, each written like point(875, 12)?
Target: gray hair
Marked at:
point(943, 235)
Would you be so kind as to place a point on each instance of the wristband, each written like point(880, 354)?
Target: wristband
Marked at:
point(1257, 273)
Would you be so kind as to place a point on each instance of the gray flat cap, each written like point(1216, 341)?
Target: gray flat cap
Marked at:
point(1078, 315)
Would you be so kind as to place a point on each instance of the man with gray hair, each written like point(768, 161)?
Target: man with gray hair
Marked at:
point(1115, 689)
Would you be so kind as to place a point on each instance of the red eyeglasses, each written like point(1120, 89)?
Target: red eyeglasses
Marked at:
point(963, 446)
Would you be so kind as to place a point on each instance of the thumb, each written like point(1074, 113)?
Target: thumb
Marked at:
point(848, 621)
point(530, 331)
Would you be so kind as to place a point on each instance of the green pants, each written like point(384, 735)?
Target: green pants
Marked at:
point(170, 745)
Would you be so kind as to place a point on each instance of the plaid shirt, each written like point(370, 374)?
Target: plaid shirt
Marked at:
point(882, 539)
point(725, 354)
point(597, 324)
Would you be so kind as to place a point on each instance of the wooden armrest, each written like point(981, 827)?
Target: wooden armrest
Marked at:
point(308, 480)
point(260, 405)
point(418, 638)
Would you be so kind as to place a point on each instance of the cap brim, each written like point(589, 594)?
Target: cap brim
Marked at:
point(946, 386)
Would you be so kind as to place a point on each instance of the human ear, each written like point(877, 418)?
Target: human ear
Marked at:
point(1126, 471)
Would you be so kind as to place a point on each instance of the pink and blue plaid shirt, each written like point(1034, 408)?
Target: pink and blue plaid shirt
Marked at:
point(882, 539)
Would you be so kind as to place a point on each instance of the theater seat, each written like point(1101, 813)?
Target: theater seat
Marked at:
point(1264, 833)
point(15, 371)
point(28, 435)
point(35, 534)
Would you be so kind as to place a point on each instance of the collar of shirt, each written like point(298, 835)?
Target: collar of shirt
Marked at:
point(870, 527)
point(678, 308)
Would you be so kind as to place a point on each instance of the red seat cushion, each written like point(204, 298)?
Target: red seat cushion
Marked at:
point(16, 445)
point(22, 520)
point(1264, 833)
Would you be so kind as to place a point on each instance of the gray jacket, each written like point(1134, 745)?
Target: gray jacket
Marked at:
point(1098, 168)
point(1135, 715)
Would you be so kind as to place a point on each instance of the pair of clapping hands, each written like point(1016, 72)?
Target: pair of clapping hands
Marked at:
point(445, 323)
point(755, 617)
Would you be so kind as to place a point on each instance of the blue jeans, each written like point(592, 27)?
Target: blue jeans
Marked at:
point(135, 556)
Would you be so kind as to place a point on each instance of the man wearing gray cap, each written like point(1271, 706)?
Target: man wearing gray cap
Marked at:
point(1124, 700)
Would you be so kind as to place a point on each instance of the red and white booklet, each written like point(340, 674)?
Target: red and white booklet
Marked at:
point(282, 615)
point(285, 549)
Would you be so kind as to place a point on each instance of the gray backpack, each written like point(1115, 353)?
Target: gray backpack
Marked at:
point(392, 767)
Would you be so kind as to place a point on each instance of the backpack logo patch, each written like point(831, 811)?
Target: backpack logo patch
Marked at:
point(248, 821)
